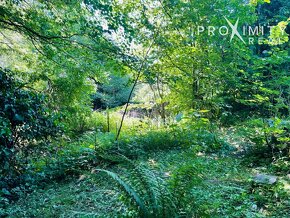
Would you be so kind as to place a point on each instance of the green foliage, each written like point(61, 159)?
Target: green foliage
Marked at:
point(56, 163)
point(270, 137)
point(131, 145)
point(194, 130)
point(87, 195)
point(130, 191)
point(194, 133)
point(214, 186)
point(147, 191)
point(154, 140)
point(59, 53)
point(68, 160)
point(229, 97)
point(187, 175)
point(25, 122)
point(264, 195)
point(113, 93)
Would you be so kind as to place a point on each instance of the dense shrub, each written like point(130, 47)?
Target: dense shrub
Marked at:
point(271, 137)
point(134, 144)
point(85, 120)
point(25, 122)
point(27, 125)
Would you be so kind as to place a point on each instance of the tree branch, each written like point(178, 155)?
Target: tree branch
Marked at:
point(139, 72)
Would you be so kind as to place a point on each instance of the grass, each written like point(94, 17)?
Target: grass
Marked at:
point(88, 196)
point(223, 188)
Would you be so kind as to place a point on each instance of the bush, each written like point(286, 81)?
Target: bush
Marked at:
point(134, 143)
point(25, 122)
point(195, 131)
point(271, 137)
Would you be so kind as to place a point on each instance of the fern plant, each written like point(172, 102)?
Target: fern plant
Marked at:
point(147, 191)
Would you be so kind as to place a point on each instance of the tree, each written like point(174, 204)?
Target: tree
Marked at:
point(113, 93)
point(261, 86)
point(63, 44)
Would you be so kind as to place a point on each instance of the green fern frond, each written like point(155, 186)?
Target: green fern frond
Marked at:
point(129, 190)
point(148, 190)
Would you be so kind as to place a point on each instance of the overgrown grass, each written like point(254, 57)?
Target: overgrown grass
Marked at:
point(86, 196)
point(174, 172)
point(206, 186)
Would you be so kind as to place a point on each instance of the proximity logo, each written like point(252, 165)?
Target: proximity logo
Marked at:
point(246, 34)
point(235, 30)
